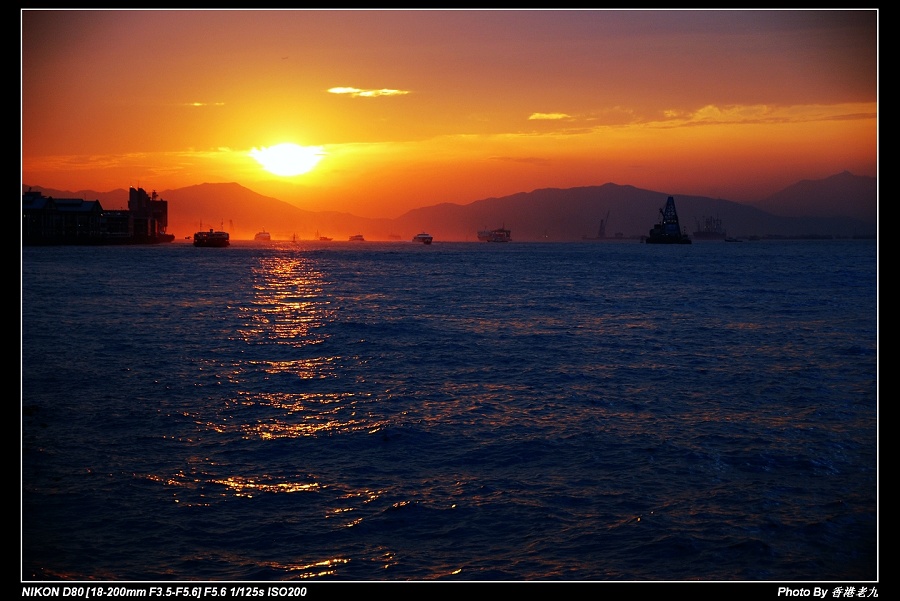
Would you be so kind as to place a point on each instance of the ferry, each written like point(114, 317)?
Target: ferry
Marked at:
point(262, 236)
point(212, 238)
point(423, 238)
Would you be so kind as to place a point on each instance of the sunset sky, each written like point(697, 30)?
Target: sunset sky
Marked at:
point(403, 109)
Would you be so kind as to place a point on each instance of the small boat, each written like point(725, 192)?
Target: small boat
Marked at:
point(500, 234)
point(263, 236)
point(668, 230)
point(212, 238)
point(423, 238)
point(357, 238)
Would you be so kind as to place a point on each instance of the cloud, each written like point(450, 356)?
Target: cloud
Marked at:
point(548, 116)
point(761, 113)
point(713, 115)
point(359, 93)
point(524, 160)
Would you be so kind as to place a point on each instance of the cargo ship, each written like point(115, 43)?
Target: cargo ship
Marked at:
point(709, 228)
point(500, 234)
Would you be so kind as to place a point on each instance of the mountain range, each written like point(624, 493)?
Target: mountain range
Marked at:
point(843, 205)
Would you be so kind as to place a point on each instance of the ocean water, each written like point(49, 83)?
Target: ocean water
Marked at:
point(454, 412)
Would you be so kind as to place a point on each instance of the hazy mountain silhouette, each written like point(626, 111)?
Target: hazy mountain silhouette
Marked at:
point(841, 195)
point(841, 205)
point(244, 212)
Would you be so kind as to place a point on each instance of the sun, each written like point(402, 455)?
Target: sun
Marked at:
point(288, 159)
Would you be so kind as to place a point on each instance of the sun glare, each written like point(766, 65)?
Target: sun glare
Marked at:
point(288, 159)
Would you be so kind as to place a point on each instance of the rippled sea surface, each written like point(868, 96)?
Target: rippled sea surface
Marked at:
point(459, 411)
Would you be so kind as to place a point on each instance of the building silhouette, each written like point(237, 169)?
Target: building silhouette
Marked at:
point(48, 221)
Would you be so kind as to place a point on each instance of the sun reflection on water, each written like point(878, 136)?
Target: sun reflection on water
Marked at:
point(275, 430)
point(286, 320)
point(247, 487)
point(289, 301)
point(325, 567)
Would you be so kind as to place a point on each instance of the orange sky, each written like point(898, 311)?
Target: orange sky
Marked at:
point(413, 108)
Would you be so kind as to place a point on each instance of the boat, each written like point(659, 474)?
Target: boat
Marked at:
point(423, 238)
point(212, 238)
point(500, 234)
point(262, 236)
point(709, 228)
point(668, 230)
point(357, 238)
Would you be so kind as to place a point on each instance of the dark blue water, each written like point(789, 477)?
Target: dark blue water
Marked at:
point(459, 411)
